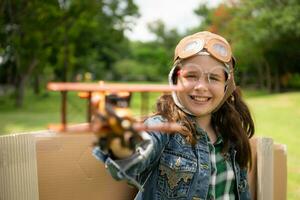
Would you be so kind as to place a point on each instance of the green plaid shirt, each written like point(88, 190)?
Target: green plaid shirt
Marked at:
point(222, 175)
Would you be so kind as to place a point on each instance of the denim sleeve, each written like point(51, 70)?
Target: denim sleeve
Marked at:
point(243, 186)
point(159, 141)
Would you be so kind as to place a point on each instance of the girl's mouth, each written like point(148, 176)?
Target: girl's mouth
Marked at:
point(200, 99)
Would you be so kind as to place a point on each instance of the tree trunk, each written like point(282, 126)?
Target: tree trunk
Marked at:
point(268, 76)
point(20, 91)
point(36, 85)
point(66, 51)
point(276, 80)
point(261, 77)
point(21, 81)
point(243, 78)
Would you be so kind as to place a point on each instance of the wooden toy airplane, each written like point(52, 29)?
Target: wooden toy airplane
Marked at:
point(108, 112)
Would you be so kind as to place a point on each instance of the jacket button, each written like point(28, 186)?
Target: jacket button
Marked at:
point(196, 198)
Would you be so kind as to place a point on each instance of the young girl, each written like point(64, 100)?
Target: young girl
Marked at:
point(209, 158)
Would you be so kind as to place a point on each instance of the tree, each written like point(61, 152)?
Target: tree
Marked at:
point(149, 61)
point(166, 41)
point(23, 38)
point(273, 29)
point(264, 37)
point(66, 36)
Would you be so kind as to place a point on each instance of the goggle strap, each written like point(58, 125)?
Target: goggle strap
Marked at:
point(174, 95)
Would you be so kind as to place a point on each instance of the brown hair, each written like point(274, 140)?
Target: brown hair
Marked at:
point(232, 120)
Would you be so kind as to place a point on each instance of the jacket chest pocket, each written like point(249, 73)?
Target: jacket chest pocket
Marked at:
point(175, 175)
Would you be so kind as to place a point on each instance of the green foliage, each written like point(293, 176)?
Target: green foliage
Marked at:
point(264, 36)
point(294, 81)
point(68, 36)
point(273, 28)
point(57, 40)
point(131, 70)
point(155, 57)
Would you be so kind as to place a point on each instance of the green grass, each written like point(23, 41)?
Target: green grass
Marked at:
point(38, 112)
point(276, 116)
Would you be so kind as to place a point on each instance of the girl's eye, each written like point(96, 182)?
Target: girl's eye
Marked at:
point(190, 76)
point(213, 77)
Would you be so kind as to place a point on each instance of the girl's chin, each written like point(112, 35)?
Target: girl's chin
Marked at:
point(202, 114)
point(199, 111)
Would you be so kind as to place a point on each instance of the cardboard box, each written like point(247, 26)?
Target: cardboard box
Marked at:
point(50, 166)
point(268, 176)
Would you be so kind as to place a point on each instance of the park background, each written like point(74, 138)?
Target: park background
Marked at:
point(73, 40)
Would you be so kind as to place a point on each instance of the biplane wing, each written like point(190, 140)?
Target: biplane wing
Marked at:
point(111, 87)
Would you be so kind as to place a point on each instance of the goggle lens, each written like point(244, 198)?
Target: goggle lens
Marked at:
point(215, 47)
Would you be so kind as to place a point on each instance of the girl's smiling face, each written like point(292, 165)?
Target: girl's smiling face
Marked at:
point(204, 80)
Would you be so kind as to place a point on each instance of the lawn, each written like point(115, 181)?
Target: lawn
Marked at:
point(276, 116)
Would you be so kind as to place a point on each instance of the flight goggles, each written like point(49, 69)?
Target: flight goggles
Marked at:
point(214, 44)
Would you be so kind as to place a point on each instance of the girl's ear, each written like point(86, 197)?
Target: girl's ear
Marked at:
point(232, 98)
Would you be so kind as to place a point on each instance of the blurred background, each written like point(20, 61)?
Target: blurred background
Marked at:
point(133, 41)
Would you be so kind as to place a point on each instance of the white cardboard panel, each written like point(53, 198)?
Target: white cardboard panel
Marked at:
point(18, 168)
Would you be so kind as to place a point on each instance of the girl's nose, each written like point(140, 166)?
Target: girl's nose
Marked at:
point(201, 84)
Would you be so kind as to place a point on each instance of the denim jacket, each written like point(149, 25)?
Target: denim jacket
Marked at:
point(175, 169)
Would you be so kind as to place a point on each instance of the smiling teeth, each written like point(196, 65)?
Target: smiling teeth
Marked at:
point(201, 99)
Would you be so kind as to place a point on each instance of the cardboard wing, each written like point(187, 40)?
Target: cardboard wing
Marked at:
point(50, 166)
